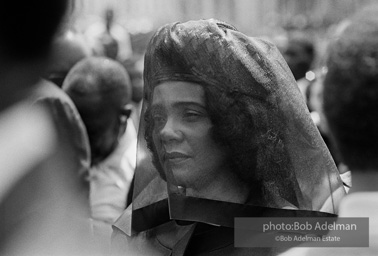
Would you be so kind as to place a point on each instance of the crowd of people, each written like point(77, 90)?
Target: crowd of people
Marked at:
point(105, 153)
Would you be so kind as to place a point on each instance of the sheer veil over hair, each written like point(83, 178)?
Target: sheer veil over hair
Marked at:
point(258, 114)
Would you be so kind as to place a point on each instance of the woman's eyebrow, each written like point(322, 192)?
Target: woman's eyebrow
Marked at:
point(187, 104)
point(177, 104)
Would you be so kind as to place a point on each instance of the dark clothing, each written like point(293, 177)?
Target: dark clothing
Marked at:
point(172, 238)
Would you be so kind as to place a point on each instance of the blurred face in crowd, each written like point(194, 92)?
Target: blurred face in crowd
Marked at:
point(182, 134)
point(67, 50)
point(109, 18)
point(107, 136)
point(105, 122)
point(297, 59)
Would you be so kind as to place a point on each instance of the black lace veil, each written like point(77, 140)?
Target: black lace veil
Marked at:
point(288, 165)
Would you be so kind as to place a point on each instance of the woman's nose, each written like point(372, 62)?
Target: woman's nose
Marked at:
point(170, 131)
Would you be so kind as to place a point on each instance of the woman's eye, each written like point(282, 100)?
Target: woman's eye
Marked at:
point(158, 119)
point(192, 115)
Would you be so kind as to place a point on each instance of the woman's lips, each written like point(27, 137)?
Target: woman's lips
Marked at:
point(175, 156)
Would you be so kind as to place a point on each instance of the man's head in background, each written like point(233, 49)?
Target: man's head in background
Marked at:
point(299, 54)
point(134, 68)
point(351, 91)
point(109, 17)
point(68, 48)
point(101, 91)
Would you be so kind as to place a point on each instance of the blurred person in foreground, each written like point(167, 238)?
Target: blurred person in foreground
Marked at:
point(224, 133)
point(68, 48)
point(43, 206)
point(350, 99)
point(101, 90)
point(69, 125)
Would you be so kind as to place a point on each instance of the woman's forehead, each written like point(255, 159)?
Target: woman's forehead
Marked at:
point(175, 92)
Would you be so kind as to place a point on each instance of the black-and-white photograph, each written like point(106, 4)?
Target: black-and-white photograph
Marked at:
point(189, 127)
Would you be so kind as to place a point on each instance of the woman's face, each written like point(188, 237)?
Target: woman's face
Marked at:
point(181, 134)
